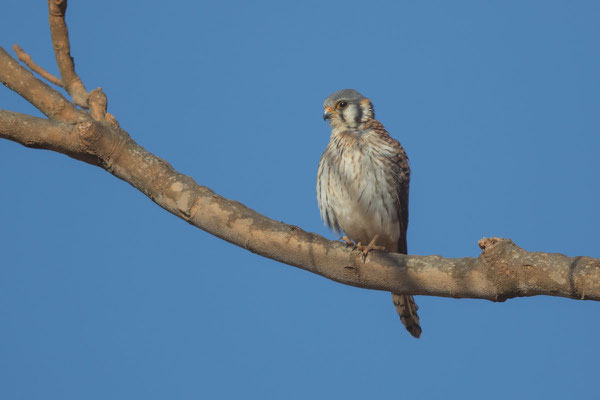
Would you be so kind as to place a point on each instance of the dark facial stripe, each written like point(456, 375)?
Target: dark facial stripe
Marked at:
point(359, 115)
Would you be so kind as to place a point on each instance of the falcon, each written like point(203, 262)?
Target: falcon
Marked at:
point(362, 185)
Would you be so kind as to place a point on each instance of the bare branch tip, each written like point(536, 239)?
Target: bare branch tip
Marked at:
point(57, 7)
point(97, 103)
point(27, 60)
point(486, 242)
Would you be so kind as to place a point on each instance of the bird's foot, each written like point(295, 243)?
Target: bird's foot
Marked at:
point(370, 247)
point(349, 243)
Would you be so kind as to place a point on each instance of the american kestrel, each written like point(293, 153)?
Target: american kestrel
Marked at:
point(362, 185)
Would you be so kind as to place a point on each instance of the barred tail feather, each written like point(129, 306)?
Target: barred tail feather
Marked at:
point(407, 310)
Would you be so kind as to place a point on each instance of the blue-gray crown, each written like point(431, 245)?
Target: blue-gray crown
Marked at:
point(349, 95)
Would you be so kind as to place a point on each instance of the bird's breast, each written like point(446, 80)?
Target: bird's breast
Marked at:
point(356, 192)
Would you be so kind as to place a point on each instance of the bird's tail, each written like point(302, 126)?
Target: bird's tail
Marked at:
point(407, 310)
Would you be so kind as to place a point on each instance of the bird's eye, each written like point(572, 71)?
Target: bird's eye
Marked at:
point(342, 104)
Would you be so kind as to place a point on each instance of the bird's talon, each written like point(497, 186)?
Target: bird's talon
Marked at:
point(367, 249)
point(348, 242)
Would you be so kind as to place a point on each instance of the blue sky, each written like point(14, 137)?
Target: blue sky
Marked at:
point(105, 295)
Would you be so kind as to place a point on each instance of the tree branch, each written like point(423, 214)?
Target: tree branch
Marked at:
point(503, 270)
point(43, 97)
point(62, 49)
point(39, 133)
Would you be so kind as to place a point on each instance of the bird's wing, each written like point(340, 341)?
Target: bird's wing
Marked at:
point(401, 177)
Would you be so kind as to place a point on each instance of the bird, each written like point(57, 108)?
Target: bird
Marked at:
point(362, 186)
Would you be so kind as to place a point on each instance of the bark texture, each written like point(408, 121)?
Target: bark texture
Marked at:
point(502, 271)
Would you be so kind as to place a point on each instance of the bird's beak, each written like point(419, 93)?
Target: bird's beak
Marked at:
point(327, 114)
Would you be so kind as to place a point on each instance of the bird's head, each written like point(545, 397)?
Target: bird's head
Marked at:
point(347, 109)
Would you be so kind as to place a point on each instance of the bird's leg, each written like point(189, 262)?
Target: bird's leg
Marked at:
point(371, 246)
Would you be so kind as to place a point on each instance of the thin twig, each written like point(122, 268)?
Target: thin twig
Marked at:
point(26, 58)
point(62, 49)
